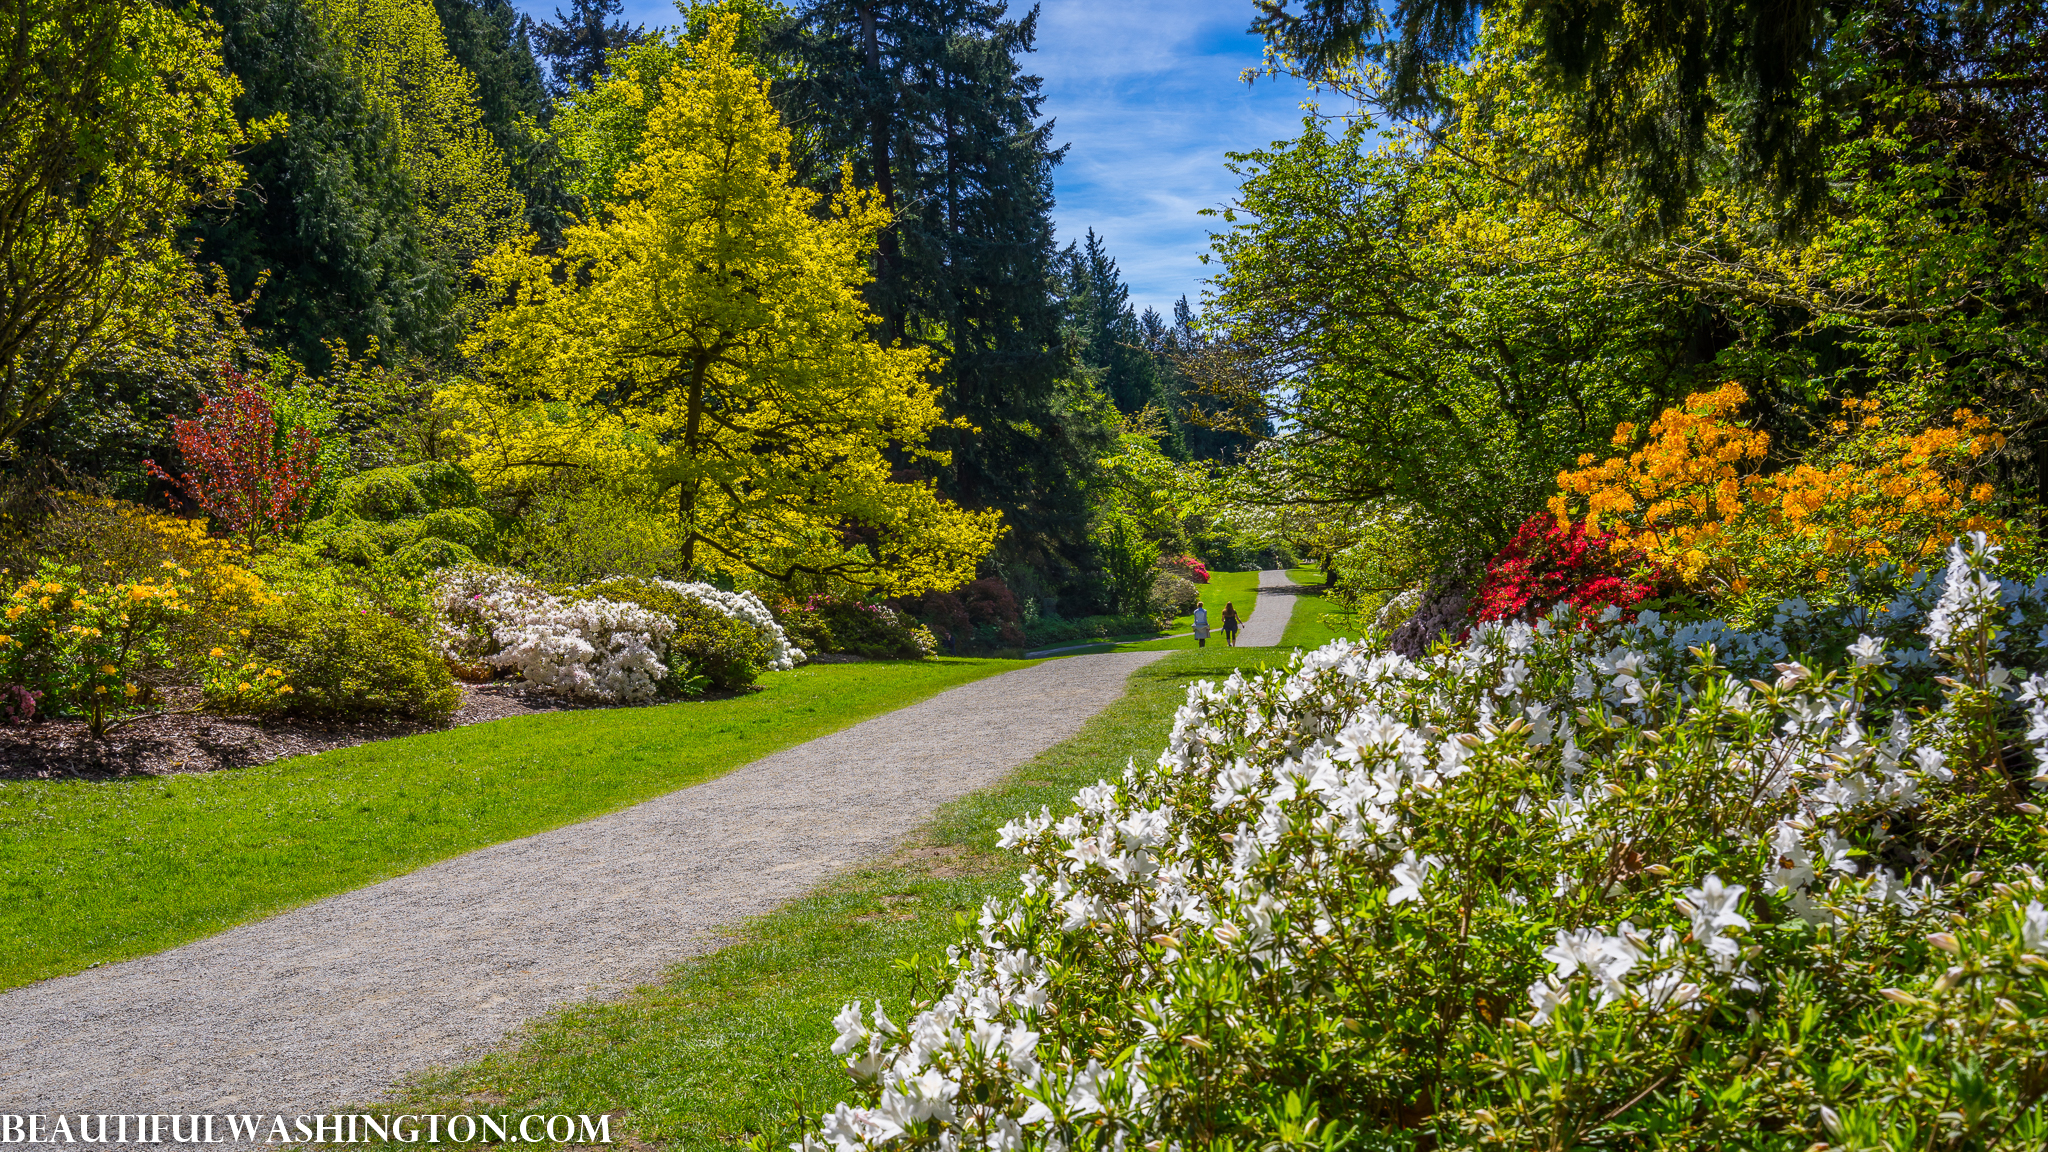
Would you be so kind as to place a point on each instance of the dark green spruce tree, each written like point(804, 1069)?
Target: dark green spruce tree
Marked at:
point(578, 44)
point(493, 41)
point(929, 103)
point(1098, 303)
point(327, 209)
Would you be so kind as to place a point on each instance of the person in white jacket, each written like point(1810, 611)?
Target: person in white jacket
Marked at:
point(1201, 626)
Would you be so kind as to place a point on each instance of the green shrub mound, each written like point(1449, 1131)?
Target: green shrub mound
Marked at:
point(381, 494)
point(421, 516)
point(1174, 596)
point(429, 554)
point(1047, 631)
point(1587, 884)
point(469, 527)
point(350, 663)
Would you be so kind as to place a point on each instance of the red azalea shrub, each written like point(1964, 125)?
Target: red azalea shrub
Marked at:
point(1187, 567)
point(1548, 563)
point(255, 481)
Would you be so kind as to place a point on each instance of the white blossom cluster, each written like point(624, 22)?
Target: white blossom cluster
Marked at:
point(782, 655)
point(1538, 782)
point(586, 648)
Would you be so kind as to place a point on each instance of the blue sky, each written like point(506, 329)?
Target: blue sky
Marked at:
point(1147, 94)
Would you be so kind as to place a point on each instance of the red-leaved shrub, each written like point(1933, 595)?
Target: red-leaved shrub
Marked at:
point(1548, 563)
point(239, 468)
point(1187, 567)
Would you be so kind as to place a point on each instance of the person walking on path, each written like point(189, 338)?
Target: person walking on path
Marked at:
point(1201, 626)
point(1230, 625)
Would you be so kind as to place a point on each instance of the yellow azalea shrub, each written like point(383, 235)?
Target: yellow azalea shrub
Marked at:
point(114, 542)
point(1695, 498)
point(87, 649)
point(233, 683)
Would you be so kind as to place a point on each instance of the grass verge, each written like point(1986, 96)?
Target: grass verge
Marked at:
point(1239, 588)
point(97, 871)
point(738, 1043)
point(1318, 619)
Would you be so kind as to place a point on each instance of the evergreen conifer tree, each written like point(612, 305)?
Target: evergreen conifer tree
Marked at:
point(578, 45)
point(328, 210)
point(1197, 417)
point(927, 101)
point(1100, 303)
point(493, 41)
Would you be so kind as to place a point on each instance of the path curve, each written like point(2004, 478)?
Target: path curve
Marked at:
point(1268, 622)
point(1258, 631)
point(333, 1003)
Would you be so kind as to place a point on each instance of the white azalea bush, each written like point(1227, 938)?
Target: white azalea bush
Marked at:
point(1558, 887)
point(587, 646)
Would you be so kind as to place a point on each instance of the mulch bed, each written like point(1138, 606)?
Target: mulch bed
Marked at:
point(188, 742)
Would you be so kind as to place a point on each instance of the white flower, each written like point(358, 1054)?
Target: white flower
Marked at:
point(2034, 928)
point(1868, 652)
point(1713, 906)
point(1409, 877)
point(1970, 594)
point(1548, 996)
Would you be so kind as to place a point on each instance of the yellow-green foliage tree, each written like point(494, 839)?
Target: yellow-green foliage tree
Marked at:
point(400, 53)
point(117, 119)
point(710, 338)
point(599, 130)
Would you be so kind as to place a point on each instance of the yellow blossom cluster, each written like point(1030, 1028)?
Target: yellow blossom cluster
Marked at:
point(1696, 499)
point(82, 646)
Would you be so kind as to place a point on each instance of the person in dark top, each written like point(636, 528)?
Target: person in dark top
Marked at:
point(1230, 624)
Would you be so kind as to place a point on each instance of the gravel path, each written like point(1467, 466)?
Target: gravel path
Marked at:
point(331, 1004)
point(1268, 622)
point(1276, 591)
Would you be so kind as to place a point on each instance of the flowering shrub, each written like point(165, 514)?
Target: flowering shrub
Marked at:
point(82, 649)
point(593, 649)
point(243, 687)
point(254, 478)
point(1694, 501)
point(116, 542)
point(584, 645)
point(1545, 889)
point(1550, 563)
point(1186, 567)
point(331, 660)
point(1173, 597)
point(17, 704)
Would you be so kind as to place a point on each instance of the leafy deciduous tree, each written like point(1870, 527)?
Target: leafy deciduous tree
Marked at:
point(115, 121)
point(710, 336)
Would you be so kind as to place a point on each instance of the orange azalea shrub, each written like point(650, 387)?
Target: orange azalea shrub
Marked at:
point(1694, 498)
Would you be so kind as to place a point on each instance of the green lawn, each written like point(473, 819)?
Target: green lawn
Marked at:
point(1317, 620)
point(738, 1043)
point(96, 871)
point(1239, 588)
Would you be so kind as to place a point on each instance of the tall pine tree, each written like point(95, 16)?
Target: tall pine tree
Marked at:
point(1099, 305)
point(578, 45)
point(1199, 419)
point(493, 41)
point(927, 101)
point(328, 210)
